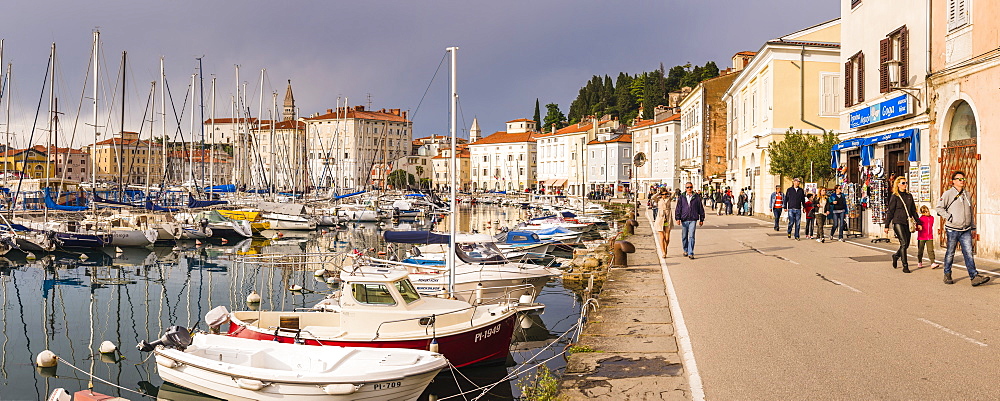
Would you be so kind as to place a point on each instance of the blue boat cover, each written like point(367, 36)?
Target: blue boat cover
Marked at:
point(350, 194)
point(522, 237)
point(425, 262)
point(415, 237)
point(554, 231)
point(157, 208)
point(51, 204)
point(228, 188)
point(194, 203)
point(416, 195)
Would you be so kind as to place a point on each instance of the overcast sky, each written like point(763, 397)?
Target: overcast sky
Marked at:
point(511, 52)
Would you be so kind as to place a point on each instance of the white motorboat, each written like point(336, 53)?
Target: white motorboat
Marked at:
point(242, 369)
point(482, 273)
point(221, 226)
point(380, 308)
point(281, 221)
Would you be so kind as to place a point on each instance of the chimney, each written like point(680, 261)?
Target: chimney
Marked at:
point(329, 111)
point(359, 108)
point(394, 111)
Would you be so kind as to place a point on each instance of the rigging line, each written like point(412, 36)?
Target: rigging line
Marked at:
point(76, 121)
point(443, 58)
point(462, 113)
point(138, 144)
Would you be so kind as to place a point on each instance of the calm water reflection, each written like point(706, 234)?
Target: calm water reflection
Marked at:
point(70, 304)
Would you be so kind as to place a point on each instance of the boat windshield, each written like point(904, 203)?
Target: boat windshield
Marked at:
point(407, 291)
point(372, 294)
point(483, 252)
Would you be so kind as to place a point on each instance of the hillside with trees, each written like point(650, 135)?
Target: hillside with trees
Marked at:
point(622, 96)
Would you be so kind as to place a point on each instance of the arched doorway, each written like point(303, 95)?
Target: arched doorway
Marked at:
point(960, 152)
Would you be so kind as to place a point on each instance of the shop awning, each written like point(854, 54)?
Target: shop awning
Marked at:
point(867, 146)
point(559, 182)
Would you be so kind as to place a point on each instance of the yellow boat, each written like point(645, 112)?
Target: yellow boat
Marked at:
point(257, 223)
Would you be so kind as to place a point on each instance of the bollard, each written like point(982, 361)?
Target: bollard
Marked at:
point(630, 226)
point(620, 250)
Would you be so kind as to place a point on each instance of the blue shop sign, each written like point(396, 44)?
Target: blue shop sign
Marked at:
point(892, 108)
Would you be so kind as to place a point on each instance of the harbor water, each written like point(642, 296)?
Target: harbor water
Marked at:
point(71, 302)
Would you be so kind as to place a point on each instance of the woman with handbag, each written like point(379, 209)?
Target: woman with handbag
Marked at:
point(901, 215)
point(664, 221)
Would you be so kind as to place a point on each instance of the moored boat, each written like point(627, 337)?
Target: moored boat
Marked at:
point(242, 369)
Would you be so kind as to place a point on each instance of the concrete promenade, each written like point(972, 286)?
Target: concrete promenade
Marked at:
point(633, 333)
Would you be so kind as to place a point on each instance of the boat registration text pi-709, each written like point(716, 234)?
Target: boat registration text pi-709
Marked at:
point(386, 385)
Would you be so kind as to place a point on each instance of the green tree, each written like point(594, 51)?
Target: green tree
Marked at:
point(538, 114)
point(553, 116)
point(803, 155)
point(419, 170)
point(425, 183)
point(400, 179)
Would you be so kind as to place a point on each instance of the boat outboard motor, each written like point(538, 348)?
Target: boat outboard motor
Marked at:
point(176, 337)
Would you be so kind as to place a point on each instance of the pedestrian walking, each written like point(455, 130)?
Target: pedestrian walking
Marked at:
point(925, 238)
point(689, 215)
point(795, 198)
point(741, 201)
point(809, 210)
point(663, 223)
point(819, 211)
point(729, 205)
point(899, 212)
point(836, 209)
point(955, 208)
point(775, 205)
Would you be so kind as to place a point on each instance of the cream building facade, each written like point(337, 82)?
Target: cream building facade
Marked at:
point(344, 144)
point(562, 165)
point(505, 160)
point(654, 142)
point(127, 160)
point(772, 94)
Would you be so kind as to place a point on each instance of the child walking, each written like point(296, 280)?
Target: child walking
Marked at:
point(925, 238)
point(810, 211)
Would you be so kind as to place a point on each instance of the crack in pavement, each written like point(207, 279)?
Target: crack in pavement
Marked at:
point(751, 247)
point(835, 282)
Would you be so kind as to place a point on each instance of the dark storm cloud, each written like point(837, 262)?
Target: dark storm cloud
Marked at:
point(511, 51)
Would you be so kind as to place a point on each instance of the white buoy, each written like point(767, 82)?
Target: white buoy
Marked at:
point(31, 256)
point(107, 347)
point(253, 298)
point(46, 359)
point(83, 256)
point(320, 273)
point(295, 288)
point(119, 250)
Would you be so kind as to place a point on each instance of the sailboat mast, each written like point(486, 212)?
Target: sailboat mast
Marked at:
point(273, 161)
point(452, 172)
point(121, 146)
point(211, 160)
point(52, 116)
point(163, 122)
point(93, 154)
point(149, 145)
point(7, 121)
point(194, 84)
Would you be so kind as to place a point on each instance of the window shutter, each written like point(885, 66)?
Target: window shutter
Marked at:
point(848, 82)
point(958, 14)
point(861, 77)
point(904, 57)
point(885, 54)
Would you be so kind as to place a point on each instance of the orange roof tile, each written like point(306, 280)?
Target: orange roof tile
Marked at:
point(289, 124)
point(521, 120)
point(619, 138)
point(506, 137)
point(359, 112)
point(57, 150)
point(251, 120)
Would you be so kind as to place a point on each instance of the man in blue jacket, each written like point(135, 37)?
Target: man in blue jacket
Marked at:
point(689, 214)
point(795, 200)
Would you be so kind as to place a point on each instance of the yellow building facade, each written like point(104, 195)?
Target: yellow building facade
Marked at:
point(31, 162)
point(128, 159)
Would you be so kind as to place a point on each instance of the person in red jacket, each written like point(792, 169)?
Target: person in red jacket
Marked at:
point(809, 209)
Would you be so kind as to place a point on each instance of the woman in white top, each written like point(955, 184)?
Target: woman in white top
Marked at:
point(664, 221)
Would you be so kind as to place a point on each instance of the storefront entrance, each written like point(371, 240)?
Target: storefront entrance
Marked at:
point(960, 154)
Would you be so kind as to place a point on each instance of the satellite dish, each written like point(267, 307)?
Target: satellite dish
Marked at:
point(639, 159)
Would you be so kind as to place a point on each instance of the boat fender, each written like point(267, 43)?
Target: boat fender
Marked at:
point(319, 273)
point(524, 299)
point(250, 384)
point(433, 347)
point(341, 388)
point(253, 298)
point(217, 317)
point(167, 362)
point(107, 347)
point(46, 359)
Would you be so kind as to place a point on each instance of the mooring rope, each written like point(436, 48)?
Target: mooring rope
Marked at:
point(64, 362)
